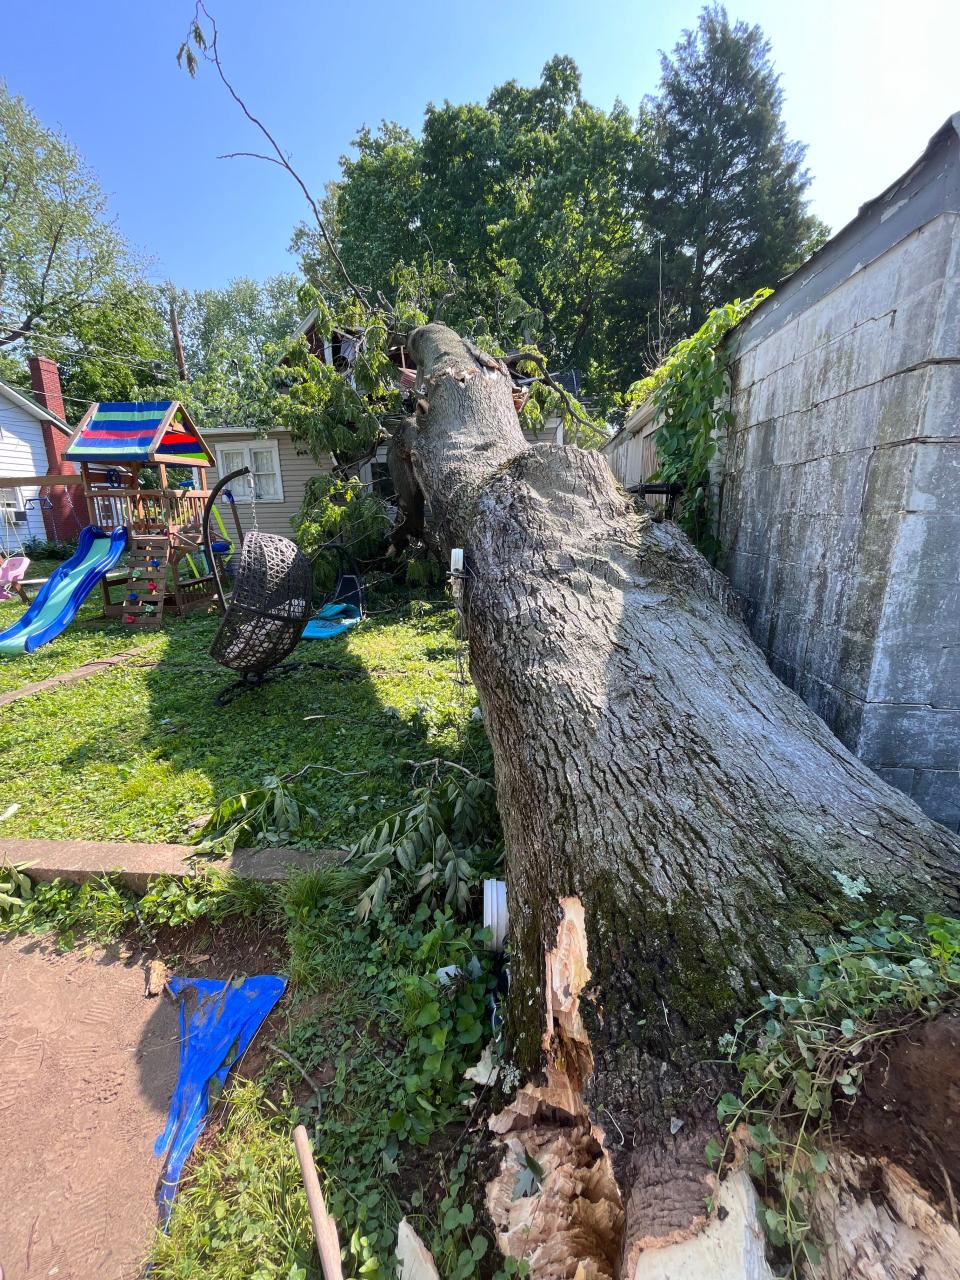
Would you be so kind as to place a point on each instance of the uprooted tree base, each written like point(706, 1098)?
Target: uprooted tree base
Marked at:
point(908, 1110)
point(652, 771)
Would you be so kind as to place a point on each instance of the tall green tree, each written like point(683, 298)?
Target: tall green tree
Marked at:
point(728, 197)
point(58, 249)
point(244, 316)
point(516, 217)
point(117, 347)
point(69, 287)
point(234, 339)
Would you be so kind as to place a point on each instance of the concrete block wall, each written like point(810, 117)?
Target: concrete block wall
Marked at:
point(840, 515)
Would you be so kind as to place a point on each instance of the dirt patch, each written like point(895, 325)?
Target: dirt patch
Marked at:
point(88, 1065)
point(232, 948)
point(909, 1106)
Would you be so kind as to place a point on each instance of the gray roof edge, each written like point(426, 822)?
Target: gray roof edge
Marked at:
point(305, 323)
point(30, 406)
point(635, 421)
point(926, 191)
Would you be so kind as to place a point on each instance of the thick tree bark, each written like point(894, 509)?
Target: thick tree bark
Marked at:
point(652, 771)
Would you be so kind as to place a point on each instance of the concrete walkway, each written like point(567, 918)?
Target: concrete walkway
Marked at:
point(135, 864)
point(92, 668)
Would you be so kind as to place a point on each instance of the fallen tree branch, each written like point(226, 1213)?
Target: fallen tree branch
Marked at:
point(211, 53)
point(518, 358)
point(288, 1058)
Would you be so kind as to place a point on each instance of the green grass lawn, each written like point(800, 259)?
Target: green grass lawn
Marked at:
point(138, 753)
point(90, 636)
point(141, 751)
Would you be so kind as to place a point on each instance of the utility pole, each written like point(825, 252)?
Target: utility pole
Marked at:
point(177, 343)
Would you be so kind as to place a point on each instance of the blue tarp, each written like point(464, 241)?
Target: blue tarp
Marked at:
point(217, 1022)
point(332, 620)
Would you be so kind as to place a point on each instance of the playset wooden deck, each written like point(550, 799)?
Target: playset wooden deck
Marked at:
point(166, 562)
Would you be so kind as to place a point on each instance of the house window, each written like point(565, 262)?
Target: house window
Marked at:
point(14, 529)
point(12, 507)
point(263, 459)
point(376, 478)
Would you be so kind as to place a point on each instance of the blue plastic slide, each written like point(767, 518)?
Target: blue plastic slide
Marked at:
point(65, 590)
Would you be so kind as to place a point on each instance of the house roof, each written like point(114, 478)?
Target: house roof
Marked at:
point(138, 431)
point(635, 421)
point(244, 431)
point(305, 324)
point(310, 320)
point(31, 407)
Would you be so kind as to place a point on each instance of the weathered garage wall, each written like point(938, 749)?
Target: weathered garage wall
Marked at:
point(840, 515)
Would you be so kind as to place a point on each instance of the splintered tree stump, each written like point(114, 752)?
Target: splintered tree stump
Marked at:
point(658, 784)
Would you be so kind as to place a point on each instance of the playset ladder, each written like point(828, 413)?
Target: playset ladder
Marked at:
point(147, 558)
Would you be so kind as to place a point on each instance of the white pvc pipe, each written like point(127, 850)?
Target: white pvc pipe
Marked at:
point(495, 916)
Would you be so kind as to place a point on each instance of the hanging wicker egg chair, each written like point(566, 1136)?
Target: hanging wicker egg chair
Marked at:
point(271, 602)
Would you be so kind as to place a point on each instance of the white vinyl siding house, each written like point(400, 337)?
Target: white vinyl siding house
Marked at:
point(280, 467)
point(632, 451)
point(22, 453)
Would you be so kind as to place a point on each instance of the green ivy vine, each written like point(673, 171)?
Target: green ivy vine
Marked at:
point(689, 391)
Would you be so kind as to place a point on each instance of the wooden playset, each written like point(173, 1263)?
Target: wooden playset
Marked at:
point(167, 567)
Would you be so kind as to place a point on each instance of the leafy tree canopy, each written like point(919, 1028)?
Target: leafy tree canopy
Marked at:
point(599, 237)
point(267, 378)
point(518, 216)
point(233, 340)
point(117, 348)
point(69, 287)
point(533, 223)
point(58, 251)
point(244, 316)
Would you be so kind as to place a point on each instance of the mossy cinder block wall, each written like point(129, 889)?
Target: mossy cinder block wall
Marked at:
point(840, 510)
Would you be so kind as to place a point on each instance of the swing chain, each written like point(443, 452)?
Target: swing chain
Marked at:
point(253, 500)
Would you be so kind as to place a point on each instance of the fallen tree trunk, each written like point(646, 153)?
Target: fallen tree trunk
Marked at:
point(657, 779)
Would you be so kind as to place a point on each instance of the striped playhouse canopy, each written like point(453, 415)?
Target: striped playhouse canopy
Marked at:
point(138, 431)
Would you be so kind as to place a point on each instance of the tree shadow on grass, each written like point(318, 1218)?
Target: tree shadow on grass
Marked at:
point(357, 709)
point(141, 751)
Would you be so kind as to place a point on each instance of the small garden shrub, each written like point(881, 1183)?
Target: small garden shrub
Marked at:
point(421, 571)
point(102, 910)
point(49, 549)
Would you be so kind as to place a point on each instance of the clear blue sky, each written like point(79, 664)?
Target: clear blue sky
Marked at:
point(866, 82)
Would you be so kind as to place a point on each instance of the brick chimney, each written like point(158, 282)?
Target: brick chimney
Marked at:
point(60, 521)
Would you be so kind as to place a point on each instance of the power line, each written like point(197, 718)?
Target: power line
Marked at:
point(205, 408)
point(52, 341)
point(36, 337)
point(51, 347)
point(28, 391)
